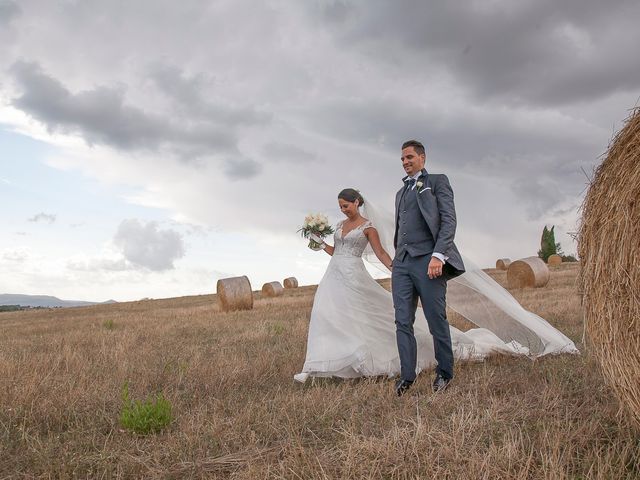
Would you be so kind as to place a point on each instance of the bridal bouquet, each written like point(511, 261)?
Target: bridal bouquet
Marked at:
point(316, 225)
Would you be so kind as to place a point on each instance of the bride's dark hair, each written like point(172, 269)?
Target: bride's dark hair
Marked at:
point(351, 195)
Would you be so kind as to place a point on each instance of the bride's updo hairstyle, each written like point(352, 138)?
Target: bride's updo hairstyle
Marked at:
point(351, 195)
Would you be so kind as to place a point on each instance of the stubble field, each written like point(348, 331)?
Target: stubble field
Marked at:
point(238, 414)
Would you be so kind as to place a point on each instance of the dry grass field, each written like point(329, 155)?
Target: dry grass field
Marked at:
point(238, 414)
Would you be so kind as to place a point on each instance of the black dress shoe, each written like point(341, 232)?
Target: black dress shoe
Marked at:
point(440, 384)
point(402, 386)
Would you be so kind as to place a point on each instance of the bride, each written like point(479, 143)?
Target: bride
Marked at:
point(352, 330)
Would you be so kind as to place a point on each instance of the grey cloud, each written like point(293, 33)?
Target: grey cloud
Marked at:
point(193, 93)
point(480, 140)
point(538, 51)
point(102, 116)
point(284, 152)
point(43, 217)
point(480, 144)
point(8, 11)
point(540, 195)
point(241, 168)
point(147, 246)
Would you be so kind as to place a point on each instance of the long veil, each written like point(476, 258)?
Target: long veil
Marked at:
point(481, 300)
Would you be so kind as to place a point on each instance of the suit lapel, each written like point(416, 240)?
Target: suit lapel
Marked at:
point(427, 214)
point(398, 197)
point(424, 178)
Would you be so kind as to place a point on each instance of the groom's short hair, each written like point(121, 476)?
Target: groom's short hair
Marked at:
point(417, 146)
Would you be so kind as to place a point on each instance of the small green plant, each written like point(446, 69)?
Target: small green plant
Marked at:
point(150, 416)
point(109, 324)
point(277, 328)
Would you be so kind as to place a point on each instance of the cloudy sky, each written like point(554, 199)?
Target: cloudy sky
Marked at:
point(150, 147)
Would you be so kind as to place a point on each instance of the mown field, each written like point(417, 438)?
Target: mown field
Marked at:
point(238, 414)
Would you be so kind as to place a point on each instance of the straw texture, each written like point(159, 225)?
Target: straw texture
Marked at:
point(528, 272)
point(235, 294)
point(554, 259)
point(503, 263)
point(609, 250)
point(272, 289)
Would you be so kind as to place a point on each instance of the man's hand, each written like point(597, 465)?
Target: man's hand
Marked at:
point(435, 268)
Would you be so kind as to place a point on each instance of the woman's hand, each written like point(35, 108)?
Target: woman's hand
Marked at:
point(316, 238)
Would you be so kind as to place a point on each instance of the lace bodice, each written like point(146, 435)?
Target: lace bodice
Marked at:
point(353, 243)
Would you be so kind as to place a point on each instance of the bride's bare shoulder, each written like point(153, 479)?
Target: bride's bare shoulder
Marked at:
point(367, 225)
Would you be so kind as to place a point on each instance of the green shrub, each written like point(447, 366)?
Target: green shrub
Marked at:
point(548, 245)
point(277, 328)
point(150, 416)
point(109, 324)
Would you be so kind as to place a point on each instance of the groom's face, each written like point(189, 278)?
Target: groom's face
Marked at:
point(411, 161)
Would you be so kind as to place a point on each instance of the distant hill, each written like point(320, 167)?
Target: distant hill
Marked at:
point(43, 301)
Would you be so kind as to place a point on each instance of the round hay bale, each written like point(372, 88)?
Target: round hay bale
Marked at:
point(235, 294)
point(291, 282)
point(609, 250)
point(272, 289)
point(503, 263)
point(528, 272)
point(554, 259)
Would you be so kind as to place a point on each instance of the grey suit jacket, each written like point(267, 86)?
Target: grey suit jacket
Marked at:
point(435, 199)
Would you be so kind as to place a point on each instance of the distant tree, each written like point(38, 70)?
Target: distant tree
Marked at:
point(569, 258)
point(548, 245)
point(10, 308)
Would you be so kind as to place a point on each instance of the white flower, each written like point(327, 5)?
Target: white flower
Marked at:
point(316, 223)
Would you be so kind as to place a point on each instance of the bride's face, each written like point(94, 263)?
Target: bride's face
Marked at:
point(350, 209)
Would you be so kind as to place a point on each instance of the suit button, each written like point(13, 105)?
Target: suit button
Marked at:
point(405, 243)
point(404, 233)
point(404, 211)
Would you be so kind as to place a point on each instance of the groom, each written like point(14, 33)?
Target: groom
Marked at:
point(425, 259)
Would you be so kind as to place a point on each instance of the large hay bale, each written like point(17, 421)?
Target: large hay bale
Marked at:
point(235, 294)
point(291, 282)
point(528, 272)
point(503, 263)
point(272, 289)
point(554, 259)
point(609, 249)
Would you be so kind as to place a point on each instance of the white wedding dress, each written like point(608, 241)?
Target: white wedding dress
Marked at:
point(352, 330)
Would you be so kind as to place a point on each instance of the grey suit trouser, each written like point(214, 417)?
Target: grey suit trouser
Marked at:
point(409, 282)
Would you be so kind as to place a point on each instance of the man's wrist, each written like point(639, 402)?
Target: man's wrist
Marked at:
point(439, 256)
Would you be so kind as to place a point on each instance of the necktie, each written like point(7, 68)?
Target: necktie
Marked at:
point(411, 183)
